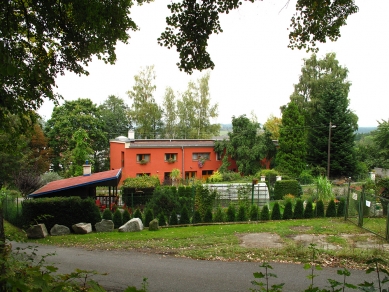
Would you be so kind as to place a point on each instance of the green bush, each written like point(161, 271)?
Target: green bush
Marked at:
point(288, 211)
point(185, 196)
point(319, 210)
point(164, 200)
point(117, 219)
point(184, 219)
point(231, 176)
point(331, 209)
point(107, 214)
point(306, 177)
point(276, 213)
point(231, 213)
point(285, 187)
point(138, 214)
point(216, 177)
point(220, 216)
point(173, 218)
point(242, 214)
point(208, 216)
point(298, 212)
point(149, 216)
point(341, 207)
point(265, 213)
point(254, 213)
point(161, 219)
point(308, 212)
point(126, 216)
point(196, 217)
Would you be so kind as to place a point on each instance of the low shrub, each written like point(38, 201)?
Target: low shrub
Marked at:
point(319, 210)
point(173, 218)
point(265, 214)
point(308, 212)
point(220, 215)
point(117, 219)
point(149, 216)
point(126, 216)
point(276, 212)
point(138, 214)
point(284, 187)
point(331, 209)
point(107, 214)
point(242, 214)
point(161, 219)
point(197, 217)
point(184, 219)
point(341, 207)
point(254, 213)
point(231, 213)
point(288, 211)
point(208, 216)
point(298, 212)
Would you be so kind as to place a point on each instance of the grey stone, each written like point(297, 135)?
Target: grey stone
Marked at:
point(37, 231)
point(135, 224)
point(59, 230)
point(82, 228)
point(104, 226)
point(154, 225)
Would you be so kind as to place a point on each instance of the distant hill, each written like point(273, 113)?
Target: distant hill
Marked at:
point(365, 130)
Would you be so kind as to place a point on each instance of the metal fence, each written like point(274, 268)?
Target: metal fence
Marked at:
point(368, 211)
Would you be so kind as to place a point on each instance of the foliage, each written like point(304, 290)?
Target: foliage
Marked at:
point(288, 211)
point(49, 177)
point(220, 215)
point(254, 212)
point(184, 219)
point(107, 214)
point(273, 125)
point(185, 196)
point(331, 209)
point(208, 216)
point(169, 114)
point(231, 213)
point(298, 212)
point(319, 209)
point(204, 199)
point(149, 216)
point(265, 213)
point(242, 213)
point(81, 153)
point(126, 216)
point(55, 210)
point(230, 175)
point(175, 174)
point(216, 177)
point(324, 189)
point(309, 25)
point(340, 211)
point(138, 214)
point(284, 187)
point(306, 177)
point(173, 220)
point(163, 201)
point(161, 219)
point(308, 211)
point(276, 212)
point(292, 151)
point(143, 181)
point(381, 138)
point(264, 286)
point(196, 217)
point(117, 218)
point(27, 181)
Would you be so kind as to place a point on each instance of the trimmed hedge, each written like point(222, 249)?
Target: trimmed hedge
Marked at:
point(265, 213)
point(288, 211)
point(276, 212)
point(298, 212)
point(59, 210)
point(284, 187)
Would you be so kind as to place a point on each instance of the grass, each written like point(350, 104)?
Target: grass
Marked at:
point(221, 242)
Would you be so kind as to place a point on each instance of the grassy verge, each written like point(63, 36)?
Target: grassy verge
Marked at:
point(222, 242)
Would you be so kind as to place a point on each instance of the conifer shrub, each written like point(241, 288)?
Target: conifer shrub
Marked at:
point(298, 212)
point(319, 210)
point(231, 213)
point(208, 216)
point(331, 209)
point(341, 207)
point(220, 216)
point(288, 211)
point(126, 216)
point(161, 219)
point(173, 218)
point(197, 217)
point(107, 214)
point(242, 213)
point(117, 219)
point(265, 213)
point(138, 214)
point(254, 213)
point(308, 212)
point(276, 212)
point(149, 216)
point(184, 219)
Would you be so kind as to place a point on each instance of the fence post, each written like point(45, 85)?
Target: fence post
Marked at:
point(348, 199)
point(360, 213)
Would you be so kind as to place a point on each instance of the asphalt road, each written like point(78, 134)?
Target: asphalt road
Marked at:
point(167, 273)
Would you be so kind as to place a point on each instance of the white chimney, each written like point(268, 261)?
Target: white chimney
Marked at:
point(131, 134)
point(87, 168)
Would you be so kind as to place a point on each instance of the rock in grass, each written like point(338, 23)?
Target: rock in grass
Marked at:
point(135, 224)
point(82, 228)
point(37, 231)
point(59, 230)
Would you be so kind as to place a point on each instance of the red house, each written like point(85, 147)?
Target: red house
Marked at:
point(194, 158)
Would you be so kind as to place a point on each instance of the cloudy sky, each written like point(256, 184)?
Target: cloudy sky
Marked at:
point(255, 71)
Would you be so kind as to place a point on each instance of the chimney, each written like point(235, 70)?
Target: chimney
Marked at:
point(87, 168)
point(131, 134)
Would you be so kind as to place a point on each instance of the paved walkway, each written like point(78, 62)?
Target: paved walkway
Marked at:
point(167, 273)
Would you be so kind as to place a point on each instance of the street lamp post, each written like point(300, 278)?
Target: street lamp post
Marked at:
point(329, 148)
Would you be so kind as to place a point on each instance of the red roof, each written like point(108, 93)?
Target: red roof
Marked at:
point(104, 178)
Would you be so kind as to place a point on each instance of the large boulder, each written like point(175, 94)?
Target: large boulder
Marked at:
point(154, 225)
point(37, 231)
point(134, 224)
point(59, 230)
point(104, 226)
point(82, 228)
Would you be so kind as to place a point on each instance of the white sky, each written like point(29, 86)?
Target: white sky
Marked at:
point(254, 69)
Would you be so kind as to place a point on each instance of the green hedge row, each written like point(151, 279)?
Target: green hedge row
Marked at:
point(59, 210)
point(285, 187)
